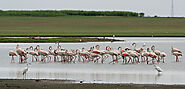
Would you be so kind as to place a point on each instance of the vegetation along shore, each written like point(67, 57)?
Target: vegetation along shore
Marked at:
point(52, 40)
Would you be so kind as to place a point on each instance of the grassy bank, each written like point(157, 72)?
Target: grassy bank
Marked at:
point(91, 26)
point(53, 13)
point(63, 39)
point(60, 84)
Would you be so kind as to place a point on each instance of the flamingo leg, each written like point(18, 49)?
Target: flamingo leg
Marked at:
point(138, 59)
point(147, 60)
point(125, 59)
point(133, 60)
point(177, 59)
point(113, 60)
point(163, 59)
point(12, 61)
point(54, 58)
point(21, 59)
point(153, 60)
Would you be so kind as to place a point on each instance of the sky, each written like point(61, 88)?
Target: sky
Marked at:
point(149, 7)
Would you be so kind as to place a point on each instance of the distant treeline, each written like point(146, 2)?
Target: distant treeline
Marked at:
point(50, 13)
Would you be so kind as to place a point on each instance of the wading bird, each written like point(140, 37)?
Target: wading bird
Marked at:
point(25, 71)
point(11, 53)
point(33, 53)
point(21, 53)
point(43, 54)
point(159, 70)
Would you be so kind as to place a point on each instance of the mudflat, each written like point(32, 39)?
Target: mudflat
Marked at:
point(70, 84)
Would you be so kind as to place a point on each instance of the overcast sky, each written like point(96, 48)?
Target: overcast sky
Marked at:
point(149, 7)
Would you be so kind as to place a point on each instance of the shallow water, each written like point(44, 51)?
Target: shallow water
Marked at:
point(100, 73)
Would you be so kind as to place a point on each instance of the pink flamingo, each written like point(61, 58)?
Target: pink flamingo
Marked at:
point(21, 53)
point(152, 55)
point(71, 55)
point(43, 54)
point(100, 52)
point(138, 49)
point(157, 52)
point(33, 53)
point(125, 54)
point(163, 55)
point(84, 54)
point(54, 53)
point(136, 52)
point(144, 55)
point(176, 54)
point(94, 55)
point(175, 50)
point(134, 55)
point(11, 53)
point(113, 53)
point(62, 53)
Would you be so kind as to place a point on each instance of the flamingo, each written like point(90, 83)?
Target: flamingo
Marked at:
point(62, 53)
point(21, 53)
point(113, 53)
point(157, 52)
point(125, 54)
point(83, 53)
point(43, 53)
point(144, 55)
point(100, 52)
point(175, 50)
point(71, 54)
point(176, 54)
point(94, 55)
point(54, 53)
point(136, 52)
point(33, 53)
point(12, 53)
point(134, 45)
point(163, 54)
point(134, 55)
point(152, 55)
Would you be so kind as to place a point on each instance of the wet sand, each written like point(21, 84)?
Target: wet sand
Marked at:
point(70, 84)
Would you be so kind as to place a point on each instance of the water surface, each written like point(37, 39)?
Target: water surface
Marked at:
point(97, 72)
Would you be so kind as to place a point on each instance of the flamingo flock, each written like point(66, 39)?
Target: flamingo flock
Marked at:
point(94, 54)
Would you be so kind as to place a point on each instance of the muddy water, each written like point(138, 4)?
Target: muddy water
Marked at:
point(174, 72)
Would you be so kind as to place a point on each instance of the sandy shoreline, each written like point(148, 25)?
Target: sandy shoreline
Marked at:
point(72, 84)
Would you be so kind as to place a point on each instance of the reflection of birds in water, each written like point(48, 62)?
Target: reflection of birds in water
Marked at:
point(25, 71)
point(159, 70)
